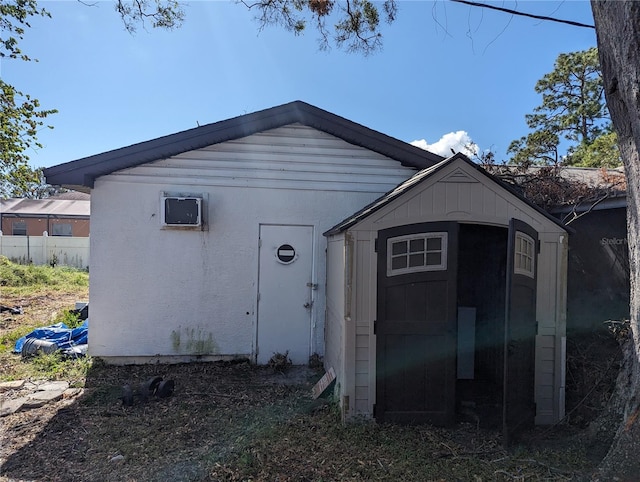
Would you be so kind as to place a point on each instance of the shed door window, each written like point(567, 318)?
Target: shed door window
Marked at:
point(416, 252)
point(19, 228)
point(524, 255)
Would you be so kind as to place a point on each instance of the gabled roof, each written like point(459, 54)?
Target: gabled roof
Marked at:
point(83, 172)
point(45, 207)
point(417, 179)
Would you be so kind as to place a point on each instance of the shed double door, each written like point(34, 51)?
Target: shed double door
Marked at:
point(416, 324)
point(416, 327)
point(518, 406)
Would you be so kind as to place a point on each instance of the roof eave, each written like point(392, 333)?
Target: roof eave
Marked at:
point(84, 172)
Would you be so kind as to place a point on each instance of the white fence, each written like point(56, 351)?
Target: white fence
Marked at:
point(53, 250)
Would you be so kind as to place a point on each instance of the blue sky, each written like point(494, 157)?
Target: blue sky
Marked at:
point(444, 68)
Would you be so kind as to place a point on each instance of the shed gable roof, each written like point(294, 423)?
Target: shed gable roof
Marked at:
point(457, 175)
point(83, 172)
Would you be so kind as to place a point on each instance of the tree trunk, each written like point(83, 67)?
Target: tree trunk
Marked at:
point(618, 32)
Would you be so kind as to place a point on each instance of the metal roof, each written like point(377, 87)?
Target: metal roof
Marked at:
point(82, 173)
point(613, 179)
point(72, 195)
point(419, 177)
point(45, 207)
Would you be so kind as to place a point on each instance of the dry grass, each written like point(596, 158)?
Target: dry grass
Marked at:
point(239, 422)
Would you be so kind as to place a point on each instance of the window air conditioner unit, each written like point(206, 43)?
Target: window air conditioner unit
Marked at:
point(181, 211)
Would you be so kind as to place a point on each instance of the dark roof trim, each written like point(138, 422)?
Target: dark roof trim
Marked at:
point(417, 179)
point(84, 172)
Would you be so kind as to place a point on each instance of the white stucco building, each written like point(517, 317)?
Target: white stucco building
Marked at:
point(209, 244)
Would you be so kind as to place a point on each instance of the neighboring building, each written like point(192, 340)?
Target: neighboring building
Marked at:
point(592, 202)
point(208, 244)
point(55, 216)
point(599, 283)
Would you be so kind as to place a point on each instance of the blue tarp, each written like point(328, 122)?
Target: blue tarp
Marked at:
point(60, 334)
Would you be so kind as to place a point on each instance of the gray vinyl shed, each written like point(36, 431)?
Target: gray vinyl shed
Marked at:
point(447, 295)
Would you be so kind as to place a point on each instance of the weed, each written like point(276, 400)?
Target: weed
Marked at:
point(280, 361)
point(315, 361)
point(56, 366)
point(8, 340)
point(17, 276)
point(69, 318)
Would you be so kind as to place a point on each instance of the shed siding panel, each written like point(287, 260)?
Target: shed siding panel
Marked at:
point(402, 212)
point(476, 199)
point(439, 200)
point(362, 395)
point(451, 197)
point(546, 403)
point(501, 208)
point(363, 288)
point(426, 202)
point(468, 197)
point(464, 198)
point(414, 207)
point(362, 342)
point(547, 287)
point(363, 318)
point(335, 299)
point(489, 202)
point(362, 354)
point(362, 380)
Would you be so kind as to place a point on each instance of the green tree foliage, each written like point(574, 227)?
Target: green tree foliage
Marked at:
point(25, 182)
point(601, 152)
point(20, 119)
point(539, 148)
point(573, 113)
point(356, 23)
point(14, 20)
point(160, 13)
point(572, 98)
point(21, 116)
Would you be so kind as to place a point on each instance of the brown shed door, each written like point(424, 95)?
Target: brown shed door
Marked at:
point(520, 329)
point(416, 325)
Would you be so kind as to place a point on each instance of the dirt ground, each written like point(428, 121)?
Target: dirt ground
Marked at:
point(95, 437)
point(235, 421)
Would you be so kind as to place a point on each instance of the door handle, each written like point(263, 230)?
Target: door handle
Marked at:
point(308, 304)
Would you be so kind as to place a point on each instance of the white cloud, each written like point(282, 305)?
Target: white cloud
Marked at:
point(459, 141)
